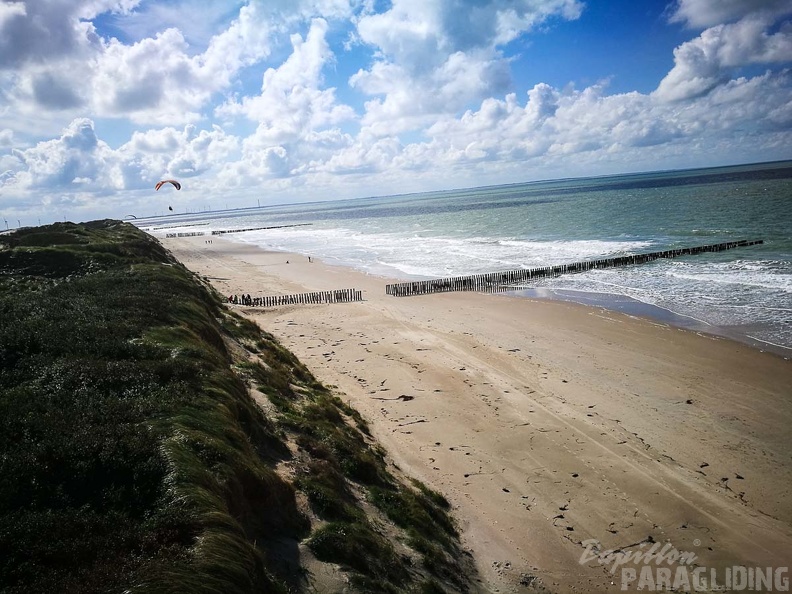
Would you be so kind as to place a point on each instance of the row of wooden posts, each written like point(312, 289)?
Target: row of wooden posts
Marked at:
point(225, 231)
point(185, 234)
point(515, 279)
point(175, 226)
point(495, 281)
point(335, 296)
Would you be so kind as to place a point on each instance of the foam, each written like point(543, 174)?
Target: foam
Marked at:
point(718, 290)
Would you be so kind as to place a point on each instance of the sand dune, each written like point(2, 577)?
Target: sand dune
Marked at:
point(546, 424)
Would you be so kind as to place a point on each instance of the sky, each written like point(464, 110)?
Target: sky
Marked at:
point(259, 102)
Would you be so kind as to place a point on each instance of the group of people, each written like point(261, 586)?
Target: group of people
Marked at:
point(244, 300)
point(247, 299)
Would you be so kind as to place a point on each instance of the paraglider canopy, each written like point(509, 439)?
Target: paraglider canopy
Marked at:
point(176, 184)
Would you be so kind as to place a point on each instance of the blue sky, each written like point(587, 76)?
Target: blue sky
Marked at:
point(252, 102)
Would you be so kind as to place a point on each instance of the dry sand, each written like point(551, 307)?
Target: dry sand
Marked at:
point(546, 424)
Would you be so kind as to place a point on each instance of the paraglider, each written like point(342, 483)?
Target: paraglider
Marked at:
point(176, 184)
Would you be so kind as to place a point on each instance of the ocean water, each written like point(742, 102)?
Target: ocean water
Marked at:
point(744, 293)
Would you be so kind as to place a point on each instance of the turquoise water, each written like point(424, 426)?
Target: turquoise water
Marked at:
point(745, 293)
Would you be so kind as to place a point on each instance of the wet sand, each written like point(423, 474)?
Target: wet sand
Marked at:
point(546, 424)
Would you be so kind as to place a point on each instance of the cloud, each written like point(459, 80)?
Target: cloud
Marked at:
point(288, 11)
point(708, 13)
point(77, 157)
point(413, 31)
point(438, 56)
point(500, 140)
point(291, 99)
point(245, 42)
point(152, 80)
point(58, 62)
point(291, 111)
point(707, 61)
point(411, 102)
point(366, 155)
point(6, 138)
point(157, 81)
point(37, 30)
point(89, 9)
point(552, 124)
point(55, 91)
point(169, 152)
point(11, 12)
point(206, 19)
point(430, 101)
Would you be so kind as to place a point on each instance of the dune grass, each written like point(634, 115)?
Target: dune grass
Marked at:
point(133, 456)
point(344, 471)
point(134, 459)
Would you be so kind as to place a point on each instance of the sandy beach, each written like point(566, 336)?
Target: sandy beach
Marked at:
point(548, 425)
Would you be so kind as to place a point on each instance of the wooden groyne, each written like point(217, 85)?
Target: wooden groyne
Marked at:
point(514, 279)
point(225, 231)
point(177, 226)
point(185, 234)
point(315, 297)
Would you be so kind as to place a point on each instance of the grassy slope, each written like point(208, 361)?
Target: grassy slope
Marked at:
point(134, 458)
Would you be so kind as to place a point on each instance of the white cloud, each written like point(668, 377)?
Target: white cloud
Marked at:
point(9, 11)
point(245, 42)
point(157, 81)
point(434, 102)
point(206, 19)
point(60, 63)
point(36, 31)
point(705, 62)
point(152, 79)
point(412, 102)
point(413, 31)
point(552, 124)
point(76, 157)
point(89, 9)
point(292, 110)
point(707, 13)
point(289, 10)
point(366, 155)
point(291, 99)
point(79, 158)
point(168, 152)
point(439, 56)
point(6, 138)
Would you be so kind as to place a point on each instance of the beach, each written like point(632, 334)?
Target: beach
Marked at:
point(549, 426)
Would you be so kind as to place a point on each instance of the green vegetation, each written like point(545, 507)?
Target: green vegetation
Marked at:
point(134, 458)
point(344, 474)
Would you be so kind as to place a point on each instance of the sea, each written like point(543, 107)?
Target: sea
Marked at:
point(745, 293)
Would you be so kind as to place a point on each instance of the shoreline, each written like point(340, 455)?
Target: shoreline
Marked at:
point(625, 304)
point(545, 423)
point(614, 302)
